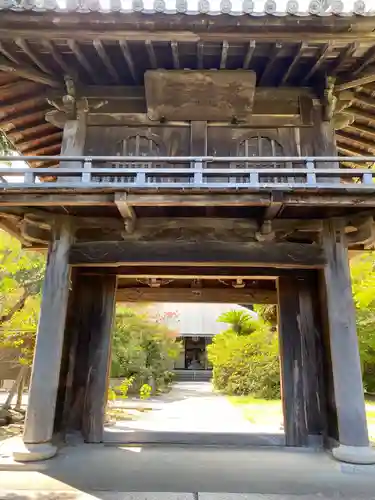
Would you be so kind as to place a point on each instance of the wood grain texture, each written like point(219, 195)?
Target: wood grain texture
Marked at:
point(295, 418)
point(100, 316)
point(48, 352)
point(346, 366)
point(286, 255)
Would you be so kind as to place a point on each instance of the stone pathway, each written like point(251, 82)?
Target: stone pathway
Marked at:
point(190, 407)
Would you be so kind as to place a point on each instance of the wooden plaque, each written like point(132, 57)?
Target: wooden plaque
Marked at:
point(199, 95)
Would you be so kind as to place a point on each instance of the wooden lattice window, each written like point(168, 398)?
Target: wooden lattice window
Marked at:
point(258, 146)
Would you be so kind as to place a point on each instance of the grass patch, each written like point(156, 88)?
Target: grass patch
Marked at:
point(269, 412)
point(260, 411)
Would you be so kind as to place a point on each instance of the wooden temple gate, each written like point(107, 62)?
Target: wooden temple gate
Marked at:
point(197, 159)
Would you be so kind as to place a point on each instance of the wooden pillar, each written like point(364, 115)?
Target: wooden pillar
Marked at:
point(101, 314)
point(344, 351)
point(74, 137)
point(312, 354)
point(48, 351)
point(295, 423)
point(88, 341)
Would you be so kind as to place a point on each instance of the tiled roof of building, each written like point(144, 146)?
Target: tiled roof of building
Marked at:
point(256, 8)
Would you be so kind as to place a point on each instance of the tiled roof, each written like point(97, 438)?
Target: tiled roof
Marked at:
point(302, 8)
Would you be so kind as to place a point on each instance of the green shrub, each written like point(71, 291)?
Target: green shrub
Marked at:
point(145, 391)
point(143, 351)
point(246, 364)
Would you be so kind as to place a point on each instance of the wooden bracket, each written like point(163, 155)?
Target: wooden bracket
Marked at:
point(266, 232)
point(126, 211)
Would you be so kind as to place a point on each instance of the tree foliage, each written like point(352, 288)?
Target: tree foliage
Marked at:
point(245, 357)
point(144, 349)
point(363, 283)
point(21, 278)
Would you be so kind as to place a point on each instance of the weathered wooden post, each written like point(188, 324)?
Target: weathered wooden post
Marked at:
point(346, 368)
point(295, 423)
point(47, 359)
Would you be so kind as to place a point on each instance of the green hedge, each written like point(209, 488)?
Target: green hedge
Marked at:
point(246, 364)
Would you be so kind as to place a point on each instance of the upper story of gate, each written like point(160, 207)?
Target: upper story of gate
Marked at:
point(184, 108)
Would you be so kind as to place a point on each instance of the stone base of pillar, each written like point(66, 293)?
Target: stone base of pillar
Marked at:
point(35, 452)
point(364, 455)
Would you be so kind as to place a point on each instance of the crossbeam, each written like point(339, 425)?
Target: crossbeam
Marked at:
point(111, 253)
point(214, 295)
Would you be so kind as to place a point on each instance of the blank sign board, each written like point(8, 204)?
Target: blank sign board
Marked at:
point(199, 95)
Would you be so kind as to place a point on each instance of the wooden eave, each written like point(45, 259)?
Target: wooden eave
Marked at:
point(40, 45)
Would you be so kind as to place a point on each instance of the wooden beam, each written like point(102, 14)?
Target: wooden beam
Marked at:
point(23, 45)
point(8, 55)
point(21, 105)
point(106, 60)
point(197, 272)
point(349, 150)
point(22, 120)
point(28, 73)
point(49, 45)
point(357, 141)
point(51, 149)
point(74, 47)
point(126, 211)
point(286, 255)
point(151, 54)
point(128, 58)
point(297, 57)
point(29, 131)
point(270, 63)
point(344, 57)
point(224, 54)
point(249, 54)
point(362, 129)
point(32, 143)
point(318, 62)
point(369, 77)
point(212, 35)
point(207, 295)
point(175, 56)
point(360, 114)
point(368, 58)
point(363, 99)
point(58, 199)
point(14, 89)
point(200, 55)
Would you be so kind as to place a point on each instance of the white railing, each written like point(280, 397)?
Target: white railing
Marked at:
point(84, 172)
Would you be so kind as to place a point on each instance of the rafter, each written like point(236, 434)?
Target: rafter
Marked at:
point(345, 55)
point(297, 56)
point(28, 73)
point(362, 129)
point(74, 47)
point(362, 143)
point(151, 54)
point(368, 58)
point(224, 54)
point(128, 58)
point(43, 139)
point(350, 151)
point(175, 56)
point(362, 99)
point(12, 90)
point(360, 114)
point(21, 105)
point(29, 130)
point(320, 60)
point(270, 64)
point(8, 55)
point(57, 57)
point(249, 54)
point(22, 120)
point(23, 45)
point(106, 60)
point(369, 77)
point(52, 148)
point(200, 55)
